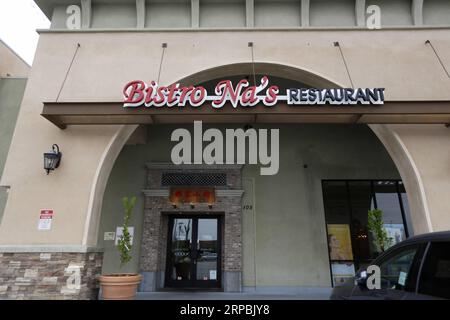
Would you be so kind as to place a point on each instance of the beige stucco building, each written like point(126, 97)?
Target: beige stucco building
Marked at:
point(271, 230)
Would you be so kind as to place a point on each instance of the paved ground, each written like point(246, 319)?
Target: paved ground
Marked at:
point(228, 296)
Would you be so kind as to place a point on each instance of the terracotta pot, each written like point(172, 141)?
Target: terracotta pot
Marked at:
point(119, 286)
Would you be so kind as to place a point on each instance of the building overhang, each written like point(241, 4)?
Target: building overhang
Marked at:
point(47, 6)
point(63, 114)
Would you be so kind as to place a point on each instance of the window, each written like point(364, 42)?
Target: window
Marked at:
point(387, 200)
point(346, 203)
point(396, 270)
point(435, 275)
point(362, 200)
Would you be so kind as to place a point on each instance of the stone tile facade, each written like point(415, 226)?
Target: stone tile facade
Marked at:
point(158, 208)
point(49, 275)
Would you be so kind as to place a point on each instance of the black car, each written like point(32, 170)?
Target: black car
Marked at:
point(415, 269)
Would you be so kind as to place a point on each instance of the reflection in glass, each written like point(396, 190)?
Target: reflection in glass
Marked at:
point(406, 210)
point(346, 205)
point(181, 249)
point(395, 271)
point(361, 201)
point(335, 200)
point(388, 201)
point(207, 249)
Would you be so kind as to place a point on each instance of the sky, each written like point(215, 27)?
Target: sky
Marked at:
point(19, 20)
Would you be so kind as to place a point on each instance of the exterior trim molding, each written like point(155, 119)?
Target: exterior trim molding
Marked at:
point(417, 12)
point(63, 114)
point(259, 29)
point(86, 13)
point(156, 192)
point(305, 13)
point(140, 13)
point(171, 166)
point(229, 193)
point(195, 14)
point(250, 13)
point(360, 13)
point(219, 192)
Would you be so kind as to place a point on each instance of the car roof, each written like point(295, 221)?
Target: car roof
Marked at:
point(428, 237)
point(421, 238)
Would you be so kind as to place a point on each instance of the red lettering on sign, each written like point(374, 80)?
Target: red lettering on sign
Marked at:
point(137, 93)
point(134, 93)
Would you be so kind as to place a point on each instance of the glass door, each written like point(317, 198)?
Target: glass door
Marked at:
point(180, 251)
point(193, 255)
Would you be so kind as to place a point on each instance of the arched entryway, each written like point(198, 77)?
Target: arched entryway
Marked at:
point(393, 144)
point(284, 75)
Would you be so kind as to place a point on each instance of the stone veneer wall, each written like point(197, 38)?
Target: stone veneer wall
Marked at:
point(157, 208)
point(49, 275)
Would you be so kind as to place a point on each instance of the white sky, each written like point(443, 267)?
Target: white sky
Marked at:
point(19, 20)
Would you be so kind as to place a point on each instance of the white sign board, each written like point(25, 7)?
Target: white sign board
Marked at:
point(109, 236)
point(119, 234)
point(45, 220)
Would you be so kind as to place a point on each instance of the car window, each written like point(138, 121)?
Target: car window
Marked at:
point(395, 271)
point(435, 275)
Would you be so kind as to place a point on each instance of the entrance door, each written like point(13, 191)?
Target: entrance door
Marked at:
point(193, 252)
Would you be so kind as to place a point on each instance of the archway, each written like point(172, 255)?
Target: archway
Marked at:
point(392, 143)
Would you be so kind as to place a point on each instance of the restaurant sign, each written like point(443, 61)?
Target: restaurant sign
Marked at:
point(192, 195)
point(141, 94)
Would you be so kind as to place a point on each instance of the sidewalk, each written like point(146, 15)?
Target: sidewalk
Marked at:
point(229, 296)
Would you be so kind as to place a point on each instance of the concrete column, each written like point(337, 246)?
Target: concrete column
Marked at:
point(195, 13)
point(305, 8)
point(86, 14)
point(360, 13)
point(417, 12)
point(250, 13)
point(140, 14)
point(409, 171)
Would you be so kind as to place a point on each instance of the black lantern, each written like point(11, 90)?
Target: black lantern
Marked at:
point(52, 159)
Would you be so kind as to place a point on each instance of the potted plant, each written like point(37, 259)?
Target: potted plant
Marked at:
point(376, 226)
point(122, 286)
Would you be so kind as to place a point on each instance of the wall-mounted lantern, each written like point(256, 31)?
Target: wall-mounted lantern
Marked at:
point(52, 159)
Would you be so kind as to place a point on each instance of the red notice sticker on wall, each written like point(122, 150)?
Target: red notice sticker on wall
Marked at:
point(45, 219)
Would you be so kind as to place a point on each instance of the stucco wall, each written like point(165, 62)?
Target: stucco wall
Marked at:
point(11, 93)
point(291, 248)
point(11, 64)
point(166, 14)
point(436, 12)
point(430, 148)
point(398, 60)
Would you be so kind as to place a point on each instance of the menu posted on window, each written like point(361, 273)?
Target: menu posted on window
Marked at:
point(339, 242)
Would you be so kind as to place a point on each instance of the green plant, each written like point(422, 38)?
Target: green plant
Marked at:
point(376, 226)
point(124, 243)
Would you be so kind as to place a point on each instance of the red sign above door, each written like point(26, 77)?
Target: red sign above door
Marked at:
point(192, 195)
